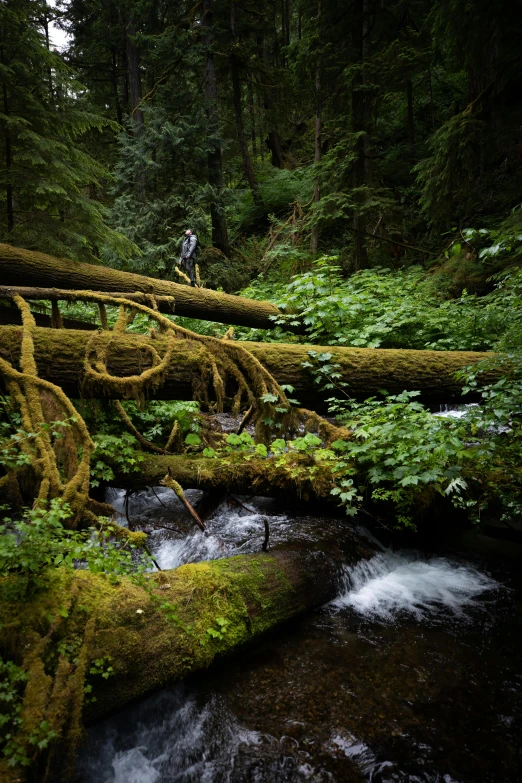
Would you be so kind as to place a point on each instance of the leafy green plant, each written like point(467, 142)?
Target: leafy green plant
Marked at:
point(100, 667)
point(399, 449)
point(220, 631)
point(156, 418)
point(12, 683)
point(114, 452)
point(381, 308)
point(39, 541)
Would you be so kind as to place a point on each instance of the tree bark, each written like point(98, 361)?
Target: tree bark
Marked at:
point(134, 76)
point(114, 81)
point(273, 140)
point(368, 103)
point(252, 112)
point(358, 117)
point(8, 163)
point(253, 593)
point(314, 239)
point(27, 268)
point(60, 355)
point(256, 476)
point(411, 121)
point(214, 159)
point(236, 476)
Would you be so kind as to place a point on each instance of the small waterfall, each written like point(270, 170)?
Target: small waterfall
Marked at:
point(454, 411)
point(173, 538)
point(230, 532)
point(172, 738)
point(390, 583)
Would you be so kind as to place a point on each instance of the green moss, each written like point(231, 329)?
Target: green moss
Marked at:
point(174, 624)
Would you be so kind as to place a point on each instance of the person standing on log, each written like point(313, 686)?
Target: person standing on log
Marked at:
point(187, 259)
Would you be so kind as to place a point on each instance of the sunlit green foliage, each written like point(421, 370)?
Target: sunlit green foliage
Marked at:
point(399, 450)
point(381, 308)
point(39, 541)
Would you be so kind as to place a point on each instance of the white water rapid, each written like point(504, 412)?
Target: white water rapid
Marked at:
point(191, 734)
point(390, 584)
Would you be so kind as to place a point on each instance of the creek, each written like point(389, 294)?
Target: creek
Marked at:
point(413, 673)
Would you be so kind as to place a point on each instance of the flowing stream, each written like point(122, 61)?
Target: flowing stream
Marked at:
point(413, 673)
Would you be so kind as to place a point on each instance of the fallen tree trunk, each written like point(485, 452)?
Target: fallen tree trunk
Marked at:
point(19, 267)
point(366, 371)
point(150, 634)
point(237, 476)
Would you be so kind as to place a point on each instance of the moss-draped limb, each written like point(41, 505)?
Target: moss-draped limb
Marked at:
point(224, 359)
point(29, 392)
point(19, 267)
point(59, 357)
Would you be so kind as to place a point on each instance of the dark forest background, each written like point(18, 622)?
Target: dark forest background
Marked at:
point(377, 131)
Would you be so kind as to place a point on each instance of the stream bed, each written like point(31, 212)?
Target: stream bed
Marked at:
point(413, 673)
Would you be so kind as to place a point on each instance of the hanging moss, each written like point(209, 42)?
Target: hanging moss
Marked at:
point(224, 359)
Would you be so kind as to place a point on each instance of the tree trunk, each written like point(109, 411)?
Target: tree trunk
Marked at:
point(273, 141)
point(257, 476)
point(152, 635)
point(114, 80)
point(25, 267)
point(314, 239)
point(238, 111)
point(411, 122)
point(214, 159)
point(60, 355)
point(368, 102)
point(358, 117)
point(253, 593)
point(8, 163)
point(134, 76)
point(252, 112)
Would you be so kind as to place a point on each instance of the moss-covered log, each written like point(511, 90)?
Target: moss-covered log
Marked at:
point(238, 476)
point(366, 371)
point(20, 267)
point(151, 634)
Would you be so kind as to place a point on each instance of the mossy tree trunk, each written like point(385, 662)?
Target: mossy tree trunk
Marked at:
point(233, 474)
point(27, 268)
point(366, 371)
point(155, 633)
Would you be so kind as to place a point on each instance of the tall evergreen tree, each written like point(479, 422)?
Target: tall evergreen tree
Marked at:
point(46, 175)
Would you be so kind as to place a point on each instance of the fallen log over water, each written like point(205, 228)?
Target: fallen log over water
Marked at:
point(238, 476)
point(19, 267)
point(60, 355)
point(151, 634)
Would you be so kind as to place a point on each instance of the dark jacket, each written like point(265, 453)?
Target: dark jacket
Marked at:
point(189, 248)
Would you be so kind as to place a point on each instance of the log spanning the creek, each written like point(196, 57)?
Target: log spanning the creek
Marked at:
point(60, 353)
point(233, 475)
point(214, 607)
point(19, 267)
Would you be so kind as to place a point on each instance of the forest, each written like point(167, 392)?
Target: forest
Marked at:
point(260, 391)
